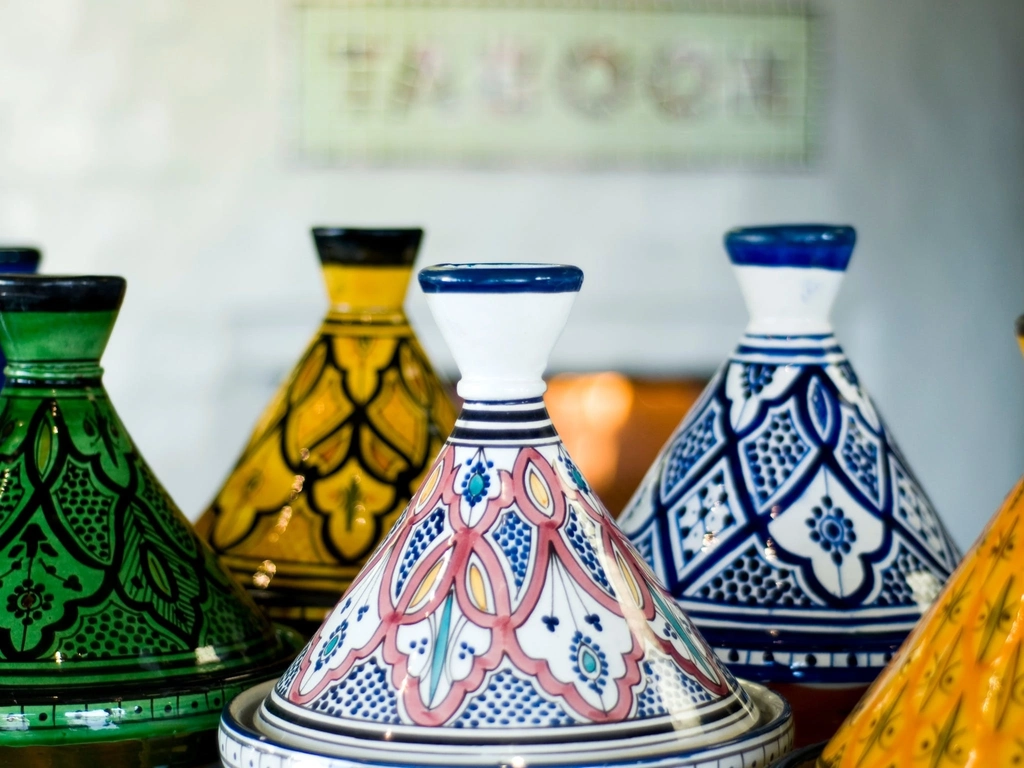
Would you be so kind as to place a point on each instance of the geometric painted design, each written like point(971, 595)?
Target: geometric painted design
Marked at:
point(705, 517)
point(801, 478)
point(690, 447)
point(336, 455)
point(510, 700)
point(953, 694)
point(423, 536)
point(773, 454)
point(141, 591)
point(821, 407)
point(585, 639)
point(363, 697)
point(514, 537)
point(106, 592)
point(862, 456)
point(914, 512)
point(750, 579)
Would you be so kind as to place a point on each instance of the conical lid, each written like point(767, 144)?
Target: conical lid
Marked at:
point(344, 443)
point(116, 622)
point(953, 694)
point(781, 513)
point(506, 619)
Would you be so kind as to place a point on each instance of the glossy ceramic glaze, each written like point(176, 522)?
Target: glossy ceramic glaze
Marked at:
point(954, 695)
point(243, 744)
point(781, 514)
point(17, 260)
point(343, 445)
point(506, 619)
point(120, 636)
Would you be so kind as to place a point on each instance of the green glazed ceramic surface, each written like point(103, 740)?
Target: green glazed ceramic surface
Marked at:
point(116, 622)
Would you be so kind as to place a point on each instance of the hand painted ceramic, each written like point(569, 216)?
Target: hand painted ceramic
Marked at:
point(781, 514)
point(343, 445)
point(954, 695)
point(17, 260)
point(506, 620)
point(121, 639)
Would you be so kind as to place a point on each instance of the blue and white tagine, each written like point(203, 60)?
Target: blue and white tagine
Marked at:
point(506, 620)
point(781, 514)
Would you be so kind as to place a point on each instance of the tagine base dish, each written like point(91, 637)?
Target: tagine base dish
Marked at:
point(174, 749)
point(173, 727)
point(246, 738)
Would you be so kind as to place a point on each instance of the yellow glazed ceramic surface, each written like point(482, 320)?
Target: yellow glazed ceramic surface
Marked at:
point(954, 695)
point(339, 451)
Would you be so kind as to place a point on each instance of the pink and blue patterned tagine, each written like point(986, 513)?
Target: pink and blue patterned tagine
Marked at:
point(506, 620)
point(781, 514)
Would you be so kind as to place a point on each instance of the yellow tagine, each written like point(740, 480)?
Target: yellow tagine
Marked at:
point(954, 694)
point(344, 443)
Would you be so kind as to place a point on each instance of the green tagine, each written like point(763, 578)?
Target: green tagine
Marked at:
point(120, 636)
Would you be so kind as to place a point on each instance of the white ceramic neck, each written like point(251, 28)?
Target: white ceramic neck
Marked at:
point(501, 341)
point(788, 300)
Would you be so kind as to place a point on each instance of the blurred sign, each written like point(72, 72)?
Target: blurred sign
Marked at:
point(645, 82)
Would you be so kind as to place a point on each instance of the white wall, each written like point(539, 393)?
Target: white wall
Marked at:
point(150, 139)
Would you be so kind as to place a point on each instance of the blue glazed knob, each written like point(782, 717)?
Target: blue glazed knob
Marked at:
point(807, 246)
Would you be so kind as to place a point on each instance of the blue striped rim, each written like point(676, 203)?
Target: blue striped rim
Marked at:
point(477, 423)
point(789, 336)
point(501, 278)
point(810, 246)
point(744, 349)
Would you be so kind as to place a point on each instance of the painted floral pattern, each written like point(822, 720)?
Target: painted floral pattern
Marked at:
point(523, 577)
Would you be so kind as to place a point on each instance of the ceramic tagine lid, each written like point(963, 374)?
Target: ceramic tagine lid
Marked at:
point(120, 636)
point(954, 695)
point(781, 513)
point(506, 620)
point(344, 443)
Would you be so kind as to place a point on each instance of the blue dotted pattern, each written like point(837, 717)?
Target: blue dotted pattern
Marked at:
point(332, 645)
point(425, 533)
point(860, 456)
point(290, 674)
point(509, 701)
point(682, 693)
point(689, 448)
point(514, 537)
point(579, 542)
point(895, 589)
point(583, 647)
point(774, 454)
point(363, 695)
point(756, 376)
point(749, 580)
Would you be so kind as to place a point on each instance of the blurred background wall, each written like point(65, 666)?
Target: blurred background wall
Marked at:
point(151, 140)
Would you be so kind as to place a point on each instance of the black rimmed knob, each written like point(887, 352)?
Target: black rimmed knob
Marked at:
point(61, 293)
point(368, 247)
